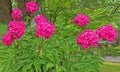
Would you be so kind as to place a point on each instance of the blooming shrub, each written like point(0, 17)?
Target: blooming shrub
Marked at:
point(88, 38)
point(59, 53)
point(31, 7)
point(16, 13)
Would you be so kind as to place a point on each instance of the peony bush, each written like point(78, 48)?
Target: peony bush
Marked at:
point(41, 44)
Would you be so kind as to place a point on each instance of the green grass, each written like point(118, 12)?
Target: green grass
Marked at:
point(110, 67)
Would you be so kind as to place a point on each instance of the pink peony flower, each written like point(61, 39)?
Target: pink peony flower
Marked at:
point(43, 27)
point(88, 38)
point(7, 39)
point(16, 13)
point(16, 28)
point(31, 7)
point(81, 19)
point(45, 30)
point(40, 18)
point(107, 32)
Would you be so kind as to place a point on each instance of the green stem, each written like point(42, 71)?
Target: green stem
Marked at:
point(16, 44)
point(30, 18)
point(40, 46)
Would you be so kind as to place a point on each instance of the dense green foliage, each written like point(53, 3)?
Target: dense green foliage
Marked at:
point(60, 53)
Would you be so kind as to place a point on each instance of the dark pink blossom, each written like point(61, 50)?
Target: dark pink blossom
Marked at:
point(16, 13)
point(40, 18)
point(88, 38)
point(7, 39)
point(44, 28)
point(16, 28)
point(31, 7)
point(107, 32)
point(81, 20)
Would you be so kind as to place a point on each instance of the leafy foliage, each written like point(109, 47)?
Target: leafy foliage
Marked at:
point(60, 53)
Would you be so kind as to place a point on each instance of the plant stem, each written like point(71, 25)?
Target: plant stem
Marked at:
point(40, 46)
point(16, 43)
point(30, 19)
point(39, 49)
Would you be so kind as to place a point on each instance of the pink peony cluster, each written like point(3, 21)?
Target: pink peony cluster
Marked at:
point(16, 13)
point(107, 32)
point(16, 28)
point(88, 38)
point(31, 7)
point(7, 39)
point(43, 27)
point(81, 20)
